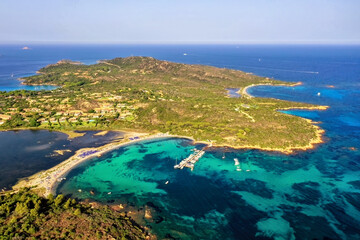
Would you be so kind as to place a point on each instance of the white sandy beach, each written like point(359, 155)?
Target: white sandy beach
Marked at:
point(244, 91)
point(47, 181)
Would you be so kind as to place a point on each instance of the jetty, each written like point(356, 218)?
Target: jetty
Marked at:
point(190, 161)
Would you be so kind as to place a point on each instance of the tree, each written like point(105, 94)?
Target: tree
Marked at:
point(79, 121)
point(67, 120)
point(15, 121)
point(33, 122)
point(67, 204)
point(77, 212)
point(57, 117)
point(34, 212)
point(58, 200)
point(49, 122)
point(51, 198)
point(97, 121)
point(241, 134)
point(21, 209)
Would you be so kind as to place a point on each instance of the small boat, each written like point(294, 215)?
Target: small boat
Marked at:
point(60, 179)
point(92, 192)
point(167, 182)
point(318, 93)
point(236, 161)
point(109, 193)
point(248, 170)
point(185, 54)
point(79, 190)
point(223, 157)
point(12, 75)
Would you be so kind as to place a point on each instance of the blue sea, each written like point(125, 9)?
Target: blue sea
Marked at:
point(307, 195)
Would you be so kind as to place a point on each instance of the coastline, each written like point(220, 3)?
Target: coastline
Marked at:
point(318, 139)
point(244, 91)
point(47, 181)
point(321, 107)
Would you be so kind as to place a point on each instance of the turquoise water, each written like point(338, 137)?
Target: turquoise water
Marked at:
point(26, 152)
point(273, 196)
point(308, 195)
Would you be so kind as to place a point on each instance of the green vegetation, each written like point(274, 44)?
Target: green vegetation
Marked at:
point(25, 215)
point(146, 94)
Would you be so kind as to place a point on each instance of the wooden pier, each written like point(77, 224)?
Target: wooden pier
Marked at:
point(190, 161)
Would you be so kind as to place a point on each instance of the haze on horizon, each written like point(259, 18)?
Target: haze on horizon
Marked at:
point(180, 22)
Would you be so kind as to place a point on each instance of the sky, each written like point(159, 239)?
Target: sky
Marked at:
point(180, 21)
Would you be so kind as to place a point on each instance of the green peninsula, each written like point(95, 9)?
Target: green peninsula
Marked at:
point(144, 94)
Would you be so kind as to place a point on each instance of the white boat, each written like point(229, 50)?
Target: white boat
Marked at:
point(109, 193)
point(185, 54)
point(318, 93)
point(236, 161)
point(60, 179)
point(167, 182)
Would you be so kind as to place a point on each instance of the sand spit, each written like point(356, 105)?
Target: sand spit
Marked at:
point(45, 182)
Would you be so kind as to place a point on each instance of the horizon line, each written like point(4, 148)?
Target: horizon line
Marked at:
point(300, 42)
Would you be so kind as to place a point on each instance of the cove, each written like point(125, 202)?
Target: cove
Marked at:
point(268, 198)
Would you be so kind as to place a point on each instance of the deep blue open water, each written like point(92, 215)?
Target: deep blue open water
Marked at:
point(308, 195)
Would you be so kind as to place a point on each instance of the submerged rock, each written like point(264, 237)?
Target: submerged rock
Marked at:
point(256, 187)
point(305, 193)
